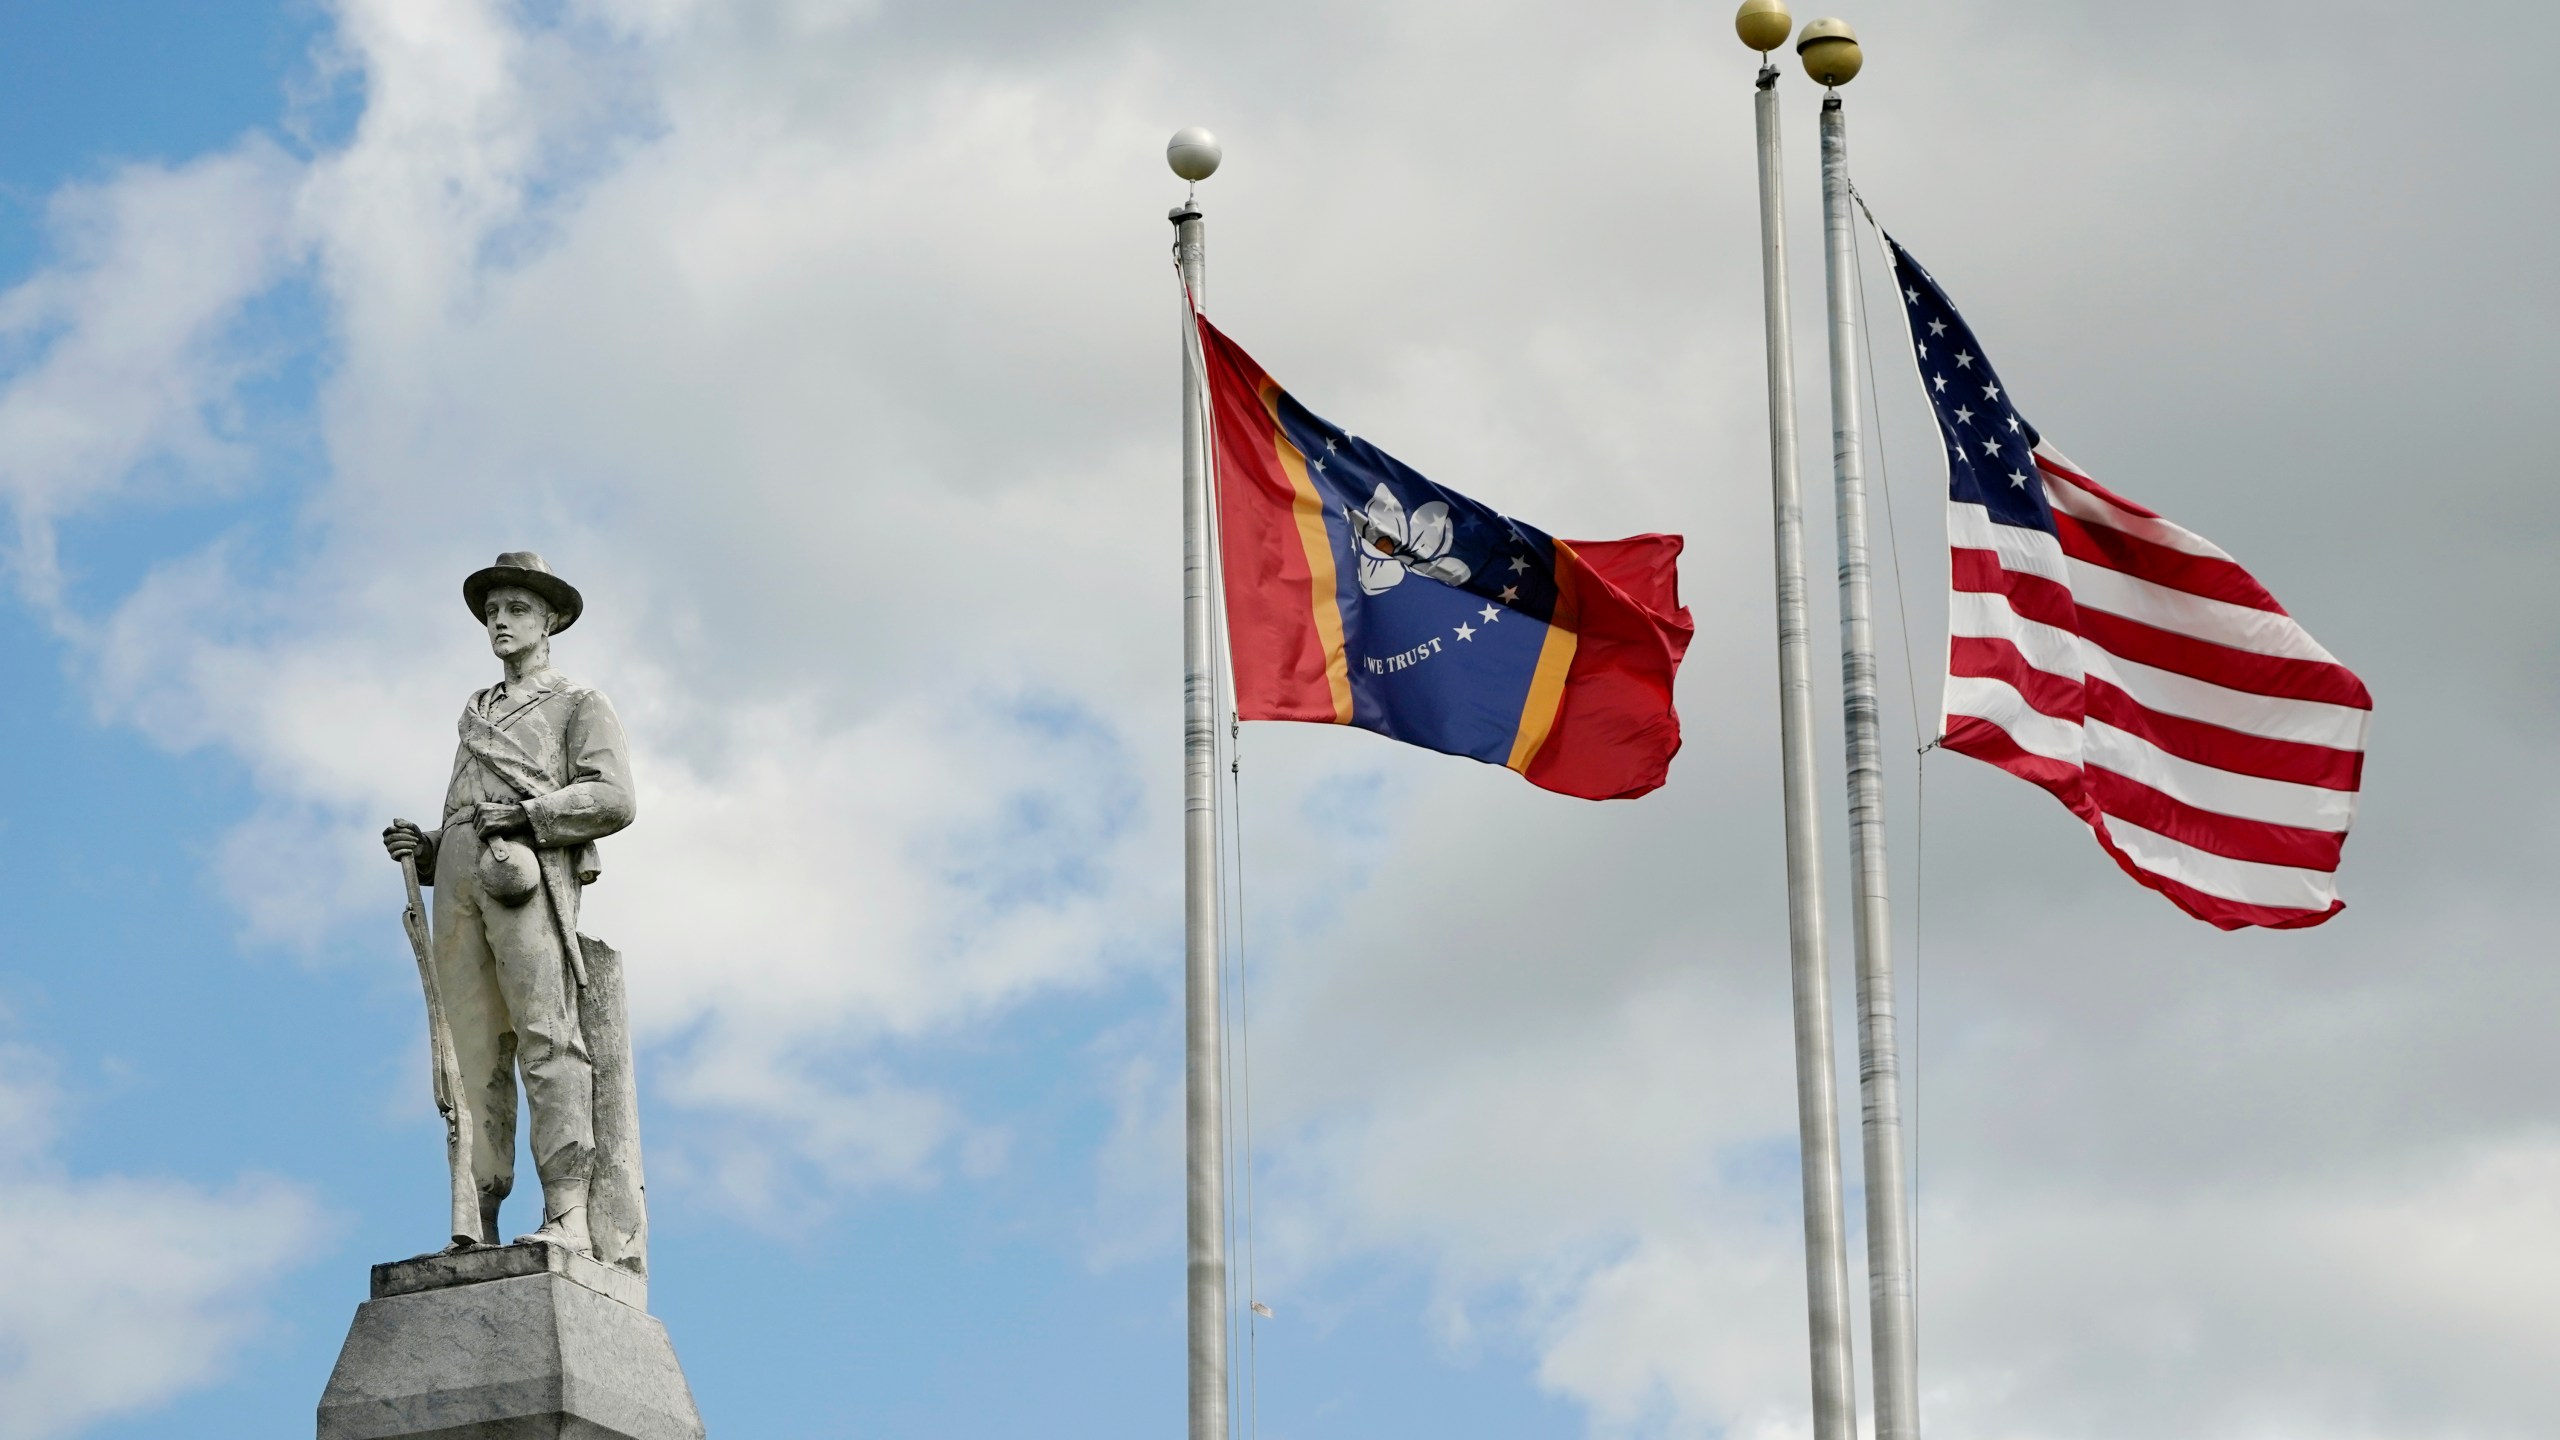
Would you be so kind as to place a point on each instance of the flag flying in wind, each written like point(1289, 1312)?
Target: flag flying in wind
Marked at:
point(2131, 667)
point(1360, 593)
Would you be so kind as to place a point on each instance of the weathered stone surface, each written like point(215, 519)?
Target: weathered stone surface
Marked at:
point(521, 1341)
point(528, 1356)
point(617, 1207)
point(541, 775)
point(471, 1267)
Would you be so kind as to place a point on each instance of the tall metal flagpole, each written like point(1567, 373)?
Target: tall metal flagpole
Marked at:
point(1832, 58)
point(1763, 25)
point(1193, 154)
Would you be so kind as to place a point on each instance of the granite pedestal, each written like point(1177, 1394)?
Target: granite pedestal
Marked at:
point(520, 1342)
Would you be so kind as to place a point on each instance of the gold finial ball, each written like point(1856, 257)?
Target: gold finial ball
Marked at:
point(1763, 24)
point(1830, 52)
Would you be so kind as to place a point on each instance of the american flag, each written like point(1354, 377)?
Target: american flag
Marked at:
point(2130, 666)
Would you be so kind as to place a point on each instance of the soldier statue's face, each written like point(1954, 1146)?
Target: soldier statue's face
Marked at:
point(517, 618)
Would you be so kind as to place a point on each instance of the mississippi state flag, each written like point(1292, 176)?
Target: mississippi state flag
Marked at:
point(2130, 666)
point(1360, 593)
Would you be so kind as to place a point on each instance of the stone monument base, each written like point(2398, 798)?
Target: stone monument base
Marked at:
point(517, 1342)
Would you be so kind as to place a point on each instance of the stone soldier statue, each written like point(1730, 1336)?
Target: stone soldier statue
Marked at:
point(551, 1335)
point(541, 775)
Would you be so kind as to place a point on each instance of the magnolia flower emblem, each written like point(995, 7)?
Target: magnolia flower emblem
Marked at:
point(1390, 543)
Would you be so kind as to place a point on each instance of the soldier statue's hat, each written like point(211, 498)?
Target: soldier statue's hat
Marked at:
point(523, 567)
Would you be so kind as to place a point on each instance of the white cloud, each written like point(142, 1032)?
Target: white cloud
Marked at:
point(119, 1292)
point(2234, 1306)
point(118, 356)
point(829, 348)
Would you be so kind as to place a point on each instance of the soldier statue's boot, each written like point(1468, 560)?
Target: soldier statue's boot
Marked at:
point(564, 1218)
point(568, 1229)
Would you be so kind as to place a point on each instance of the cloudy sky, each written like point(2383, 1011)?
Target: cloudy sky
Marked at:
point(830, 347)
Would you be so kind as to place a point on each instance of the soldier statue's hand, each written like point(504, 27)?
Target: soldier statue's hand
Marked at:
point(503, 818)
point(404, 840)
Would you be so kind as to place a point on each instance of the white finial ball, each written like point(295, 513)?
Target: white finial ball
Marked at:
point(1193, 153)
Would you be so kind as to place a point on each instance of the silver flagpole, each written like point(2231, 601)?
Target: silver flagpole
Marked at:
point(1763, 25)
point(1193, 154)
point(1832, 58)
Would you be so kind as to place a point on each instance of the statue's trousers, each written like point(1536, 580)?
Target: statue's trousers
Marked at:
point(510, 999)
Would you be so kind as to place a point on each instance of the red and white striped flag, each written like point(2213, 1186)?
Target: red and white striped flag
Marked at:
point(2130, 666)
